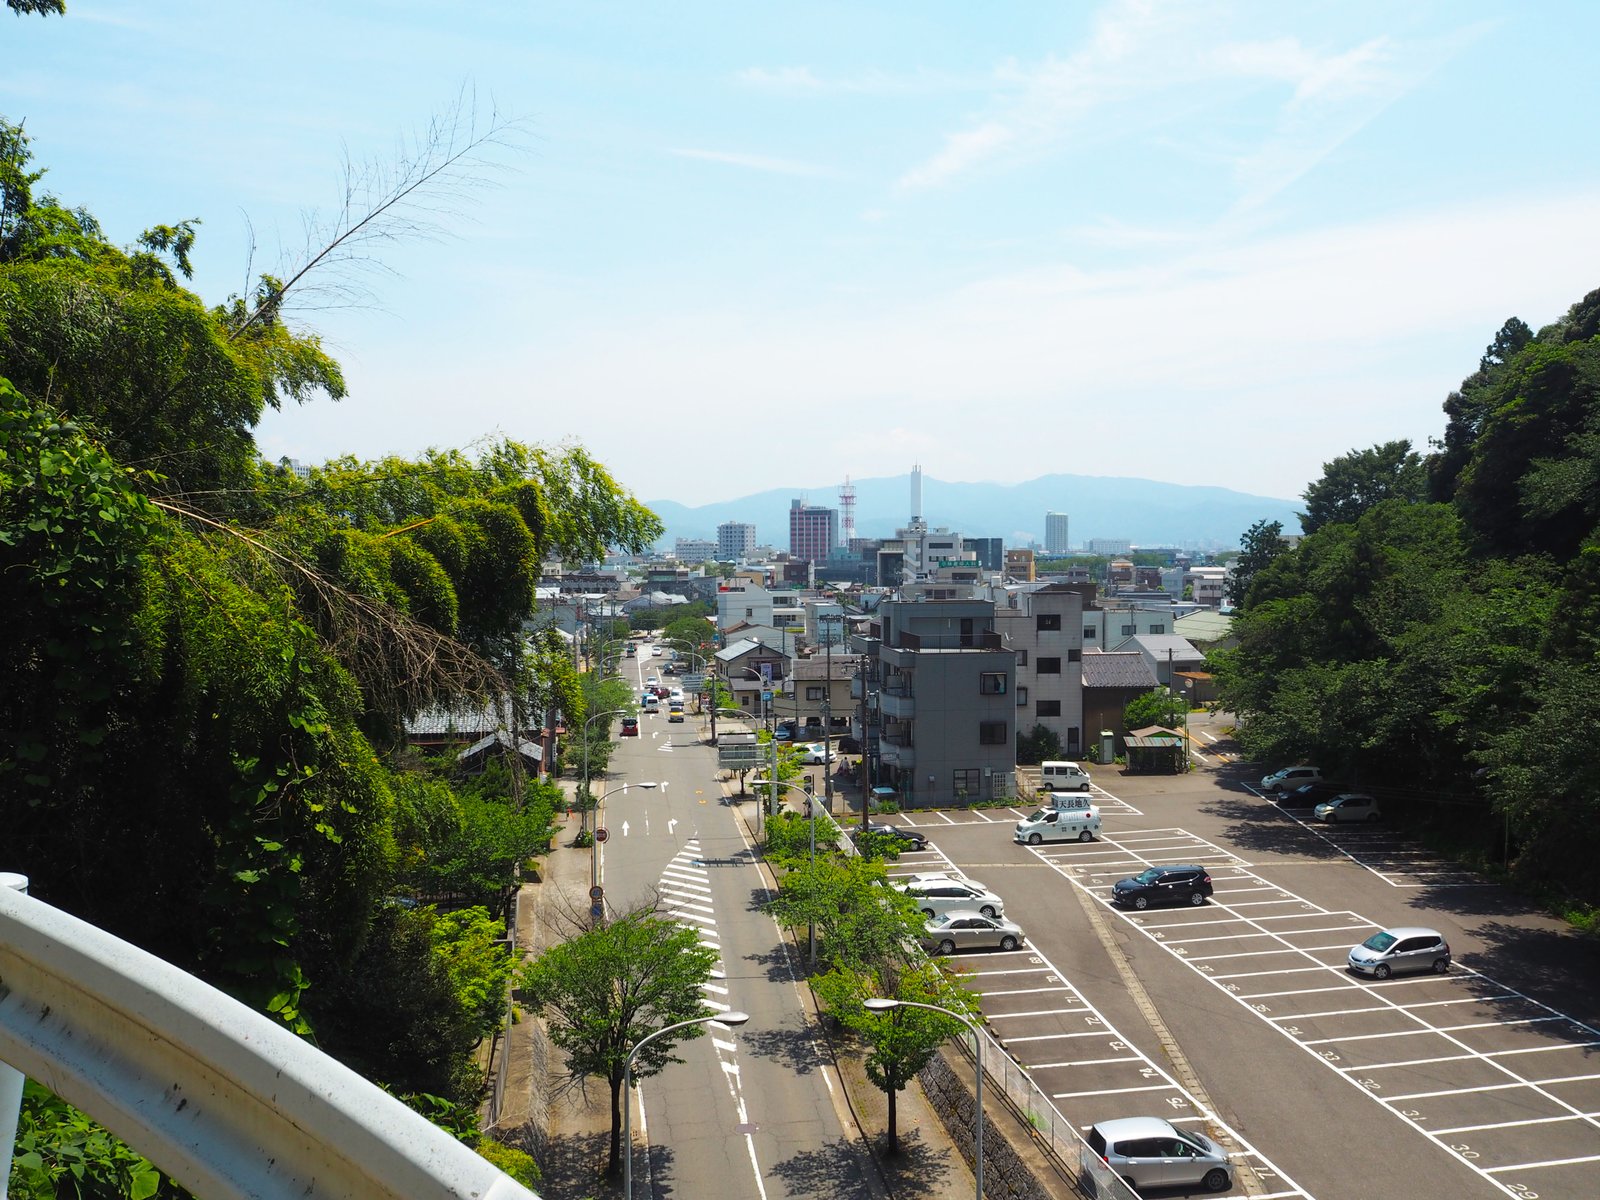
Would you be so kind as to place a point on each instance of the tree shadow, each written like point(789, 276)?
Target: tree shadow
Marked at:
point(796, 1049)
point(1554, 967)
point(571, 1165)
point(779, 964)
point(830, 1170)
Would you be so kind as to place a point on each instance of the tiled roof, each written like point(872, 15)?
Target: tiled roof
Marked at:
point(1117, 670)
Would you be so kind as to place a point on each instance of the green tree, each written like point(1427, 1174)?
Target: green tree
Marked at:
point(1355, 482)
point(1158, 706)
point(1261, 543)
point(607, 988)
point(861, 923)
point(42, 7)
point(900, 1041)
point(60, 1152)
point(1040, 744)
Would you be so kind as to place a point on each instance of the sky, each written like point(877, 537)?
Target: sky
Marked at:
point(729, 247)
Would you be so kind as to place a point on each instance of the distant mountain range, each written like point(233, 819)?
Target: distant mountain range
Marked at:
point(1143, 511)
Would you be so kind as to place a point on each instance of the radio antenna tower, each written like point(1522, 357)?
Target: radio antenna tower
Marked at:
point(847, 512)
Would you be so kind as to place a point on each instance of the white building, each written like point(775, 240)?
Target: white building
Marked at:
point(694, 550)
point(743, 603)
point(735, 541)
point(1110, 546)
point(1055, 533)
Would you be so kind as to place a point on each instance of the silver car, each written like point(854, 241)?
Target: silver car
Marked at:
point(1403, 948)
point(1149, 1152)
point(1352, 806)
point(935, 896)
point(970, 931)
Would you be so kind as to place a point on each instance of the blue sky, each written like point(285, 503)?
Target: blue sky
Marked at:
point(745, 246)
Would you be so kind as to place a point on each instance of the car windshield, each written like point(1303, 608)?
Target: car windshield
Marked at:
point(1040, 814)
point(1149, 876)
point(1380, 941)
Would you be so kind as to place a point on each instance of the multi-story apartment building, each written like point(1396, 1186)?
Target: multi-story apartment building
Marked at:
point(1114, 628)
point(693, 550)
point(813, 531)
point(744, 603)
point(1056, 541)
point(1110, 546)
point(1020, 565)
point(1045, 627)
point(735, 541)
point(941, 725)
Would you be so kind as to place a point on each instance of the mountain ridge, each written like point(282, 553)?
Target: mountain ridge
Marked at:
point(1144, 511)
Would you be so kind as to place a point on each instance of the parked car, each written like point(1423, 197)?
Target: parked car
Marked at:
point(849, 745)
point(630, 726)
point(1403, 948)
point(1063, 824)
point(1150, 1152)
point(937, 896)
point(675, 716)
point(966, 930)
point(655, 651)
point(1163, 885)
point(813, 754)
point(1313, 793)
point(1289, 778)
point(1063, 777)
point(910, 836)
point(1352, 806)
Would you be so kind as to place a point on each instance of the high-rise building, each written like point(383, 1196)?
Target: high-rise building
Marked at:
point(735, 541)
point(813, 531)
point(693, 550)
point(1055, 533)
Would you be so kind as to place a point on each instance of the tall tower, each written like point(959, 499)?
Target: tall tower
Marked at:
point(916, 496)
point(847, 512)
point(1055, 533)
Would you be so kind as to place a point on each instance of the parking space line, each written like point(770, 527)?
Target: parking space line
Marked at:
point(1084, 1062)
point(1534, 1166)
point(1052, 1037)
point(1043, 1012)
point(1027, 991)
point(1160, 1087)
point(1514, 1124)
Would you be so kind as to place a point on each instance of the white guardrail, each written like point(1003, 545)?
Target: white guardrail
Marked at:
point(224, 1100)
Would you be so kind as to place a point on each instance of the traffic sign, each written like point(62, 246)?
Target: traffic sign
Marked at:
point(597, 892)
point(601, 835)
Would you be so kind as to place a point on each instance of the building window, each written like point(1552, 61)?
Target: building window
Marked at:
point(992, 733)
point(813, 693)
point(992, 683)
point(749, 612)
point(1049, 666)
point(1022, 697)
point(1047, 622)
point(1049, 708)
point(1088, 633)
point(966, 781)
point(1127, 631)
point(1158, 629)
point(1074, 655)
point(1022, 658)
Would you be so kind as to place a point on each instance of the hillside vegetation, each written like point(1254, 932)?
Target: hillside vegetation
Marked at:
point(1434, 636)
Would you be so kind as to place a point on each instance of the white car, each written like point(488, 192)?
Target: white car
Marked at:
point(1289, 778)
point(1352, 806)
point(813, 753)
point(935, 897)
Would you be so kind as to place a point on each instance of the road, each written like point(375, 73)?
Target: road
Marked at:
point(1240, 1016)
point(752, 1111)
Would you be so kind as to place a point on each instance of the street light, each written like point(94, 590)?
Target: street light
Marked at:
point(811, 814)
point(594, 842)
point(614, 712)
point(730, 1019)
point(884, 1004)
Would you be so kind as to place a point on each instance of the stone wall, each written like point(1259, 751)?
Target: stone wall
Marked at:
point(947, 1082)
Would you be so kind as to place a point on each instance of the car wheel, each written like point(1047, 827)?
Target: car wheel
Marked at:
point(1197, 898)
point(1084, 788)
point(1371, 817)
point(988, 910)
point(1008, 942)
point(1216, 1180)
point(927, 912)
point(947, 947)
point(1034, 839)
point(1441, 966)
point(1132, 1186)
point(1141, 902)
point(1085, 836)
point(1381, 971)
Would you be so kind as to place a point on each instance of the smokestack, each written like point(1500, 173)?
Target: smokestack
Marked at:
point(916, 493)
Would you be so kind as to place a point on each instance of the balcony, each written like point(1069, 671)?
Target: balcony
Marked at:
point(897, 752)
point(898, 705)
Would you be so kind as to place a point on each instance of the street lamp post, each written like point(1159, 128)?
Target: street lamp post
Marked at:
point(595, 894)
point(811, 821)
point(613, 712)
point(883, 1004)
point(730, 1019)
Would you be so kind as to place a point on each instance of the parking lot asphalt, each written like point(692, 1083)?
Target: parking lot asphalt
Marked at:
point(1240, 1017)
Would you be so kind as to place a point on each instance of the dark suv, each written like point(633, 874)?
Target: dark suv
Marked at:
point(1312, 793)
point(1163, 885)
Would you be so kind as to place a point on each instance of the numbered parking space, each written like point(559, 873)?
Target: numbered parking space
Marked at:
point(1398, 861)
point(1507, 1085)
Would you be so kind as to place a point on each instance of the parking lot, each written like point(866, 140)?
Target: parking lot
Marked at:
point(1467, 1077)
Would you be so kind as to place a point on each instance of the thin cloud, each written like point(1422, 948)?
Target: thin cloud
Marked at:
point(755, 162)
point(801, 79)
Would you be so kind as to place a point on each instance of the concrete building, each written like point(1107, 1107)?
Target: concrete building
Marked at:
point(1110, 546)
point(1056, 542)
point(735, 541)
point(941, 726)
point(990, 552)
point(743, 602)
point(693, 550)
point(1044, 627)
point(1166, 654)
point(813, 531)
point(1112, 628)
point(754, 674)
point(819, 695)
point(1020, 565)
point(1111, 682)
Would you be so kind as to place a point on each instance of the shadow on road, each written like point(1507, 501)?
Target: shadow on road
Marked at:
point(832, 1170)
point(795, 1049)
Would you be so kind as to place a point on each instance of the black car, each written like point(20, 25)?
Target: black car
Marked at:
point(1163, 885)
point(910, 836)
point(849, 745)
point(1314, 792)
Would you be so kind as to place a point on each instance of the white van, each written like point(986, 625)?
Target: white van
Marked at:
point(1064, 819)
point(1063, 777)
